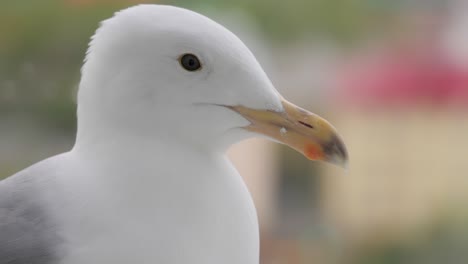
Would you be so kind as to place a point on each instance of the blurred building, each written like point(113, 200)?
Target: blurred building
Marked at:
point(403, 109)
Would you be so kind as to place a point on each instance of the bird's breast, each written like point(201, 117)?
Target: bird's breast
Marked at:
point(189, 213)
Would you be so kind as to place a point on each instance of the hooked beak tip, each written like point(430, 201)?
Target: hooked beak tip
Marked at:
point(336, 152)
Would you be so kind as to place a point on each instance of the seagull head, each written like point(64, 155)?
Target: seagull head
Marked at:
point(166, 73)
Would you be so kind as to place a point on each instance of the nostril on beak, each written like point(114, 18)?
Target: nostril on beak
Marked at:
point(306, 125)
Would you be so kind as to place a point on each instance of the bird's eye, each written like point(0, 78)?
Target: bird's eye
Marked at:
point(190, 62)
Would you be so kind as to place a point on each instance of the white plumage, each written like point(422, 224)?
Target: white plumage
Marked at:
point(147, 180)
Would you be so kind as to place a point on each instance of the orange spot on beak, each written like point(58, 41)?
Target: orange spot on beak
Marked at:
point(313, 152)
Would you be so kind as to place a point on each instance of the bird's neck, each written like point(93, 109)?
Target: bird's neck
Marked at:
point(111, 132)
point(115, 147)
point(140, 171)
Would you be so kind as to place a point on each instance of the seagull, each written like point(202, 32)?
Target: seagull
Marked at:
point(164, 92)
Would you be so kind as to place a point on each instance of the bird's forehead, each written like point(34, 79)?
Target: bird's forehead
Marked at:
point(174, 26)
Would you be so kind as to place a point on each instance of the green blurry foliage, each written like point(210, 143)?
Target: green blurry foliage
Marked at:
point(343, 20)
point(42, 46)
point(443, 241)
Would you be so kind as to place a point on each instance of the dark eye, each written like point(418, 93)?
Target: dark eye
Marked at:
point(190, 62)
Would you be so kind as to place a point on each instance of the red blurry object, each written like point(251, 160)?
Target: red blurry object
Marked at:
point(403, 78)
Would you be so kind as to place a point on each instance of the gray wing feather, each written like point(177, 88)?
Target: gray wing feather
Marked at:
point(27, 233)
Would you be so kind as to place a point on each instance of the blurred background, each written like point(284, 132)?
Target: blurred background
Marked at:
point(391, 75)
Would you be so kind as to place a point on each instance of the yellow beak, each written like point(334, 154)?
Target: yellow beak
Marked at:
point(303, 131)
